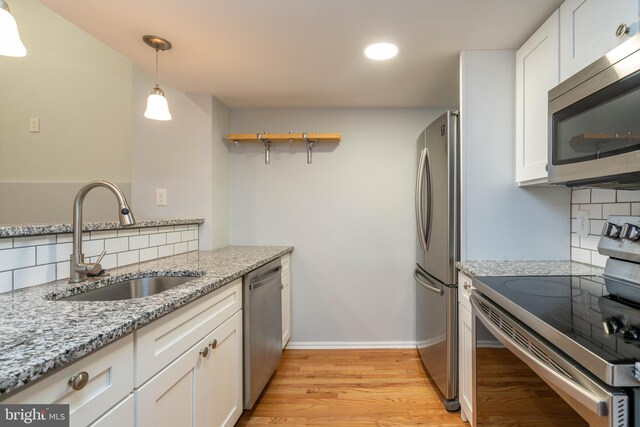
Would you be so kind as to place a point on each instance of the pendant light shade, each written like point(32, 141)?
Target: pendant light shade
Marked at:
point(157, 105)
point(10, 43)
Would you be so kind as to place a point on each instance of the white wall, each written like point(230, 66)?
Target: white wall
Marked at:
point(499, 220)
point(350, 216)
point(178, 155)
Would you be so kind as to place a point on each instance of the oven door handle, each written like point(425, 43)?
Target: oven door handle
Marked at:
point(576, 391)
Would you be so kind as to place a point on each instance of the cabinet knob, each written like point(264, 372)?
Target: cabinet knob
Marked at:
point(213, 344)
point(77, 382)
point(466, 286)
point(204, 352)
point(622, 30)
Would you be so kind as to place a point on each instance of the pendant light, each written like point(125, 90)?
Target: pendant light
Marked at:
point(157, 106)
point(10, 43)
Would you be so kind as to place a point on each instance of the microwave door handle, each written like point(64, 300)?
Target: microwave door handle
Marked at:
point(419, 180)
point(584, 397)
point(429, 204)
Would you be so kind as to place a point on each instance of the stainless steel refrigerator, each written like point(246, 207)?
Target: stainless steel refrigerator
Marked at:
point(437, 226)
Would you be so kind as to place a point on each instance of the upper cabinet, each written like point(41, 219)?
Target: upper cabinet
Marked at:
point(589, 29)
point(536, 73)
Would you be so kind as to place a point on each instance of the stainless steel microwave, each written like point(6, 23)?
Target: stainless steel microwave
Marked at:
point(594, 123)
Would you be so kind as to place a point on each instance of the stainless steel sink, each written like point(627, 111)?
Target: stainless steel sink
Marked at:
point(130, 289)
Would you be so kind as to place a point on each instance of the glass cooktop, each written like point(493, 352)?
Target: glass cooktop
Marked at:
point(579, 308)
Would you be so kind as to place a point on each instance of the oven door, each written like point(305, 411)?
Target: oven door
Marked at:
point(520, 379)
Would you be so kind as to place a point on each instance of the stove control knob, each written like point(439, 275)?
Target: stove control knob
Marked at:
point(611, 325)
point(630, 232)
point(631, 335)
point(611, 230)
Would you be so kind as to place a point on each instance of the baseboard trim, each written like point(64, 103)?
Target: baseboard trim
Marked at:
point(346, 345)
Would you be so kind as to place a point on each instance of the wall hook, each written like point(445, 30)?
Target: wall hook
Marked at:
point(309, 148)
point(236, 142)
point(267, 148)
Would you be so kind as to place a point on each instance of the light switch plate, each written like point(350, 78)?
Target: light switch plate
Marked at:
point(583, 223)
point(161, 197)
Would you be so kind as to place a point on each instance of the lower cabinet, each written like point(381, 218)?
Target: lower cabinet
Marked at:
point(120, 415)
point(465, 345)
point(203, 387)
point(286, 309)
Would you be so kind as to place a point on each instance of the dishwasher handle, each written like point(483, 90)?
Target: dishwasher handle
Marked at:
point(259, 283)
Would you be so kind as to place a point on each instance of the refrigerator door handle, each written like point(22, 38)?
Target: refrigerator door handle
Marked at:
point(421, 282)
point(419, 180)
point(429, 204)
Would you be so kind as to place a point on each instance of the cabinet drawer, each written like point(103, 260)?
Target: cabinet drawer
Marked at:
point(121, 415)
point(464, 290)
point(285, 262)
point(162, 341)
point(110, 373)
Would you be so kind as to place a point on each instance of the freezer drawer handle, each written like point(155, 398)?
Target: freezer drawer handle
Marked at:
point(264, 281)
point(424, 284)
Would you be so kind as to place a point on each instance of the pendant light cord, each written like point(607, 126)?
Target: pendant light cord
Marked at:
point(157, 66)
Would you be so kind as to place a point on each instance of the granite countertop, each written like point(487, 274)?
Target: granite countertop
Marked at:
point(35, 230)
point(527, 268)
point(38, 335)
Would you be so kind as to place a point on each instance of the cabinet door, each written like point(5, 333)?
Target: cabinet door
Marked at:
point(286, 309)
point(121, 415)
point(176, 395)
point(536, 73)
point(223, 374)
point(464, 364)
point(587, 30)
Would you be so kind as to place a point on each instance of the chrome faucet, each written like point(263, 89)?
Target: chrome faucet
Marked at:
point(80, 269)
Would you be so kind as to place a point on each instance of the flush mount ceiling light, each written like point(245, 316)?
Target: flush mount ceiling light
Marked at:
point(157, 106)
point(381, 51)
point(10, 43)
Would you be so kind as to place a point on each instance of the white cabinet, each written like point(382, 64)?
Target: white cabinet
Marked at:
point(109, 379)
point(121, 415)
point(189, 363)
point(536, 74)
point(286, 299)
point(203, 387)
point(588, 30)
point(465, 344)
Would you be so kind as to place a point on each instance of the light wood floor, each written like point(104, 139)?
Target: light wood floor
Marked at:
point(350, 388)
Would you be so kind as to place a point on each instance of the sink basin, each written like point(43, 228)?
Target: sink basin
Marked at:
point(130, 289)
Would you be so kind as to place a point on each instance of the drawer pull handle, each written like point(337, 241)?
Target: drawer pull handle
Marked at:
point(213, 344)
point(77, 382)
point(204, 352)
point(622, 30)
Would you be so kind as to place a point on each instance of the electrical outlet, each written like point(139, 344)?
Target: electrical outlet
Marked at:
point(34, 124)
point(161, 197)
point(583, 223)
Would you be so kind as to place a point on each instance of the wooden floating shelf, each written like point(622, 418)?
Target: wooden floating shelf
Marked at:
point(283, 137)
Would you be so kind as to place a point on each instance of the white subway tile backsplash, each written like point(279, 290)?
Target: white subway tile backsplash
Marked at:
point(598, 260)
point(11, 259)
point(581, 196)
point(599, 195)
point(575, 240)
point(158, 239)
point(47, 254)
point(595, 210)
point(119, 244)
point(174, 237)
point(34, 276)
point(166, 250)
point(596, 226)
point(581, 255)
point(180, 248)
point(6, 281)
point(628, 196)
point(635, 208)
point(148, 254)
point(126, 258)
point(615, 209)
point(20, 242)
point(589, 242)
point(139, 242)
point(33, 260)
point(6, 243)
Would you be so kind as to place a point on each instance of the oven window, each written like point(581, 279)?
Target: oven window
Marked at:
point(509, 393)
point(606, 123)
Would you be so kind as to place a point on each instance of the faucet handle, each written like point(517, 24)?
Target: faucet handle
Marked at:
point(101, 256)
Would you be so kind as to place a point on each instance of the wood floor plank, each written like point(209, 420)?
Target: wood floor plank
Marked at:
point(350, 388)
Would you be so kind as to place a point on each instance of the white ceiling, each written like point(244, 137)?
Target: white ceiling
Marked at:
point(309, 52)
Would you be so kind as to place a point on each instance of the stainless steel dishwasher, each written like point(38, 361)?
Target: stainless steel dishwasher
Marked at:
point(262, 328)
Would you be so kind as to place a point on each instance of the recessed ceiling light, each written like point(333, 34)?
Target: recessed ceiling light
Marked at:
point(381, 51)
